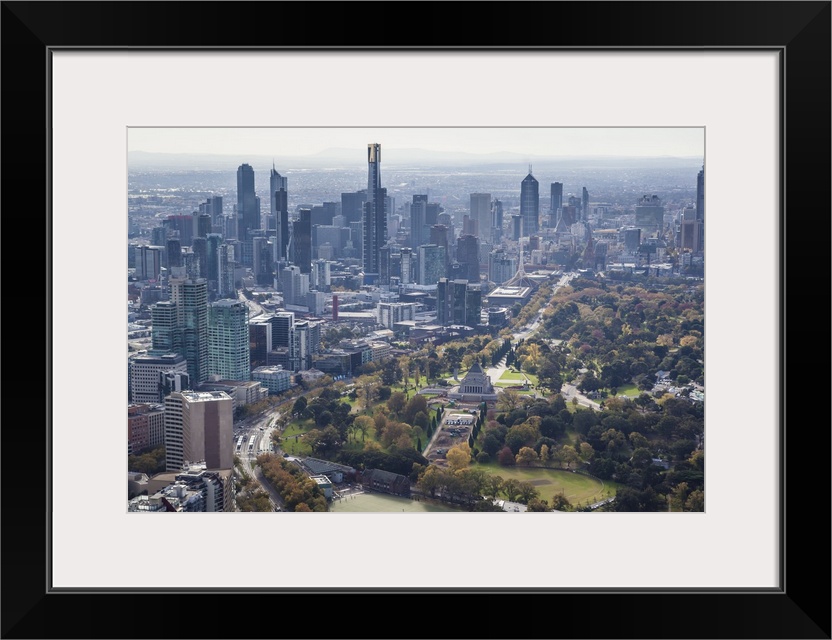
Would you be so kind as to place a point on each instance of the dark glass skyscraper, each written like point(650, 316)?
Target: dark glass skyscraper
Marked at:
point(302, 241)
point(375, 220)
point(557, 197)
point(248, 205)
point(418, 221)
point(279, 220)
point(467, 255)
point(585, 204)
point(530, 205)
point(700, 208)
point(700, 195)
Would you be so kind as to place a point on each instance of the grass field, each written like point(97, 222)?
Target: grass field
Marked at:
point(629, 390)
point(577, 487)
point(383, 503)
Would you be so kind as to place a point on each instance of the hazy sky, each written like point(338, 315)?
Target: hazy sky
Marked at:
point(631, 142)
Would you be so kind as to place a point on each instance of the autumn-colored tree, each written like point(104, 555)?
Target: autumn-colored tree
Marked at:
point(526, 456)
point(695, 501)
point(527, 492)
point(537, 505)
point(363, 425)
point(380, 423)
point(587, 452)
point(459, 456)
point(511, 489)
point(367, 387)
point(505, 457)
point(508, 400)
point(560, 502)
point(397, 402)
point(394, 433)
point(493, 486)
point(568, 455)
point(416, 404)
point(678, 496)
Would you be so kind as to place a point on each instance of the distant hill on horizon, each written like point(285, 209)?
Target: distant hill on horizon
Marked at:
point(351, 158)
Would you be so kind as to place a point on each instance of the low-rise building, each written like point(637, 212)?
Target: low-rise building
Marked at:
point(386, 482)
point(276, 379)
point(145, 427)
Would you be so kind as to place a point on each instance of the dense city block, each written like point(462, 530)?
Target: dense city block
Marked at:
point(424, 332)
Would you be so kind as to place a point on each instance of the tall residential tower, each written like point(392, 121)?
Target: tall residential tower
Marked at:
point(375, 220)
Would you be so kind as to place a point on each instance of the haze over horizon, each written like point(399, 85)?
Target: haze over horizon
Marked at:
point(408, 145)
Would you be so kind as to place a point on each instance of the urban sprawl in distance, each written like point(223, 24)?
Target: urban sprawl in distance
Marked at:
point(387, 334)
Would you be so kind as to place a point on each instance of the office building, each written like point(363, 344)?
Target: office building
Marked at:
point(144, 375)
point(584, 204)
point(248, 204)
point(556, 201)
point(295, 285)
point(199, 428)
point(228, 340)
point(191, 299)
point(497, 218)
point(278, 187)
point(145, 426)
point(418, 224)
point(389, 313)
point(173, 253)
point(442, 236)
point(148, 262)
point(650, 215)
point(501, 266)
point(529, 205)
point(301, 242)
point(352, 206)
point(282, 323)
point(259, 341)
point(182, 227)
point(467, 255)
point(306, 343)
point(320, 277)
point(458, 303)
point(481, 212)
point(470, 226)
point(700, 208)
point(276, 379)
point(516, 227)
point(226, 270)
point(173, 380)
point(199, 248)
point(212, 258)
point(431, 264)
point(407, 267)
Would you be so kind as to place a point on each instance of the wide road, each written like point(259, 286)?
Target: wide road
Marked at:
point(569, 391)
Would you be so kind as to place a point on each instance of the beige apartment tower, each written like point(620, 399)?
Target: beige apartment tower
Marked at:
point(199, 428)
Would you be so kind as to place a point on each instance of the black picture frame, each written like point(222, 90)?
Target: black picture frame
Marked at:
point(800, 31)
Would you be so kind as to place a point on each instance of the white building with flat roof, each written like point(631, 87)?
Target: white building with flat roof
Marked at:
point(276, 379)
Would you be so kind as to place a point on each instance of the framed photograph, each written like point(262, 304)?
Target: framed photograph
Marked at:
point(753, 77)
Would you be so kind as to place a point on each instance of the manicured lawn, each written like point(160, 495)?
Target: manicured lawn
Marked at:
point(383, 503)
point(629, 390)
point(577, 488)
point(291, 437)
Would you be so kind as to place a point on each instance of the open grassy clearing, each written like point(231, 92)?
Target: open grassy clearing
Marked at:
point(577, 488)
point(383, 503)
